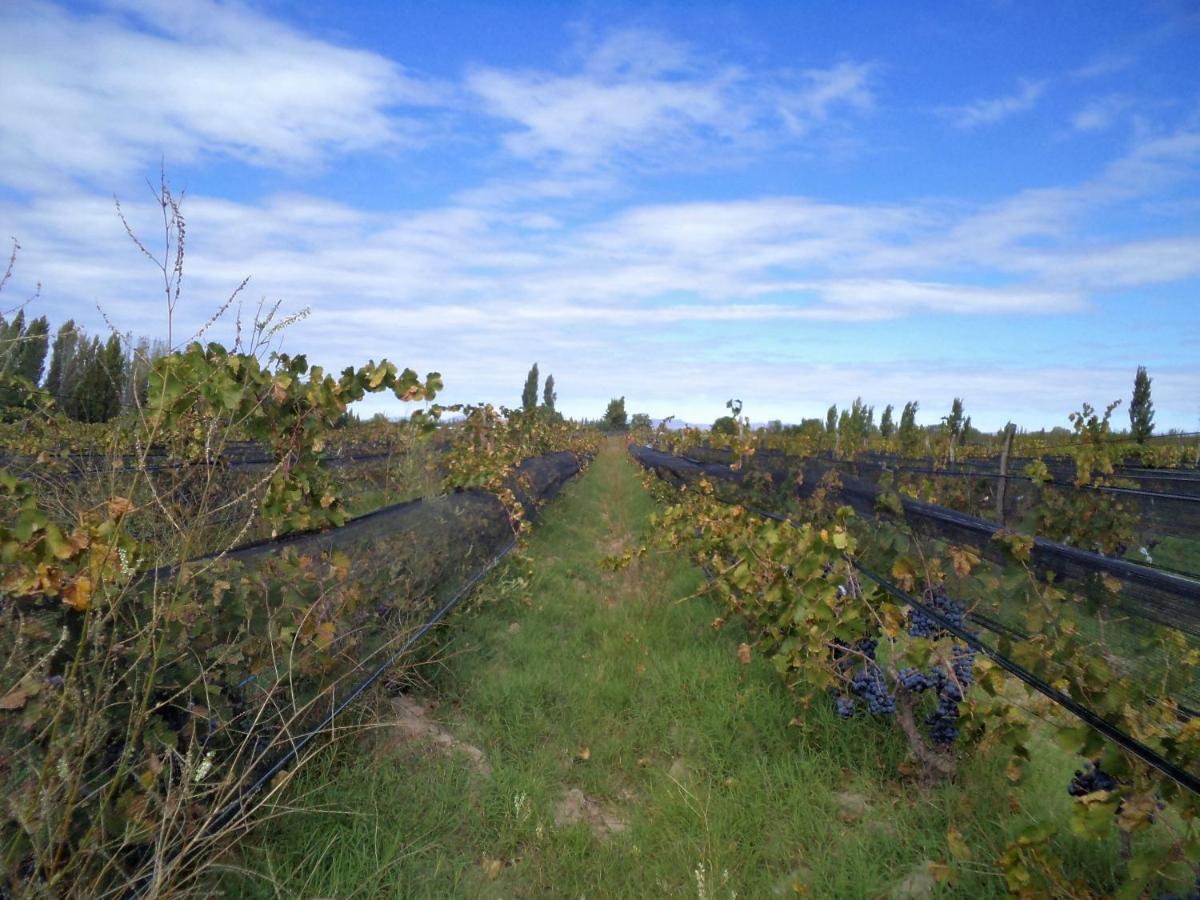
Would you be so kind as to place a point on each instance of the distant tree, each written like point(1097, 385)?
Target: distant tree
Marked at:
point(956, 424)
point(831, 419)
point(725, 425)
point(1141, 407)
point(62, 354)
point(640, 420)
point(549, 397)
point(855, 424)
point(809, 428)
point(614, 415)
point(907, 432)
point(22, 355)
point(32, 358)
point(886, 426)
point(114, 362)
point(529, 395)
point(10, 343)
point(97, 389)
point(83, 382)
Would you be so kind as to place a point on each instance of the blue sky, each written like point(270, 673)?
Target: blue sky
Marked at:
point(793, 204)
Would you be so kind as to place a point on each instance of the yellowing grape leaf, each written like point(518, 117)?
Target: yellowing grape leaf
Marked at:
point(78, 594)
point(743, 652)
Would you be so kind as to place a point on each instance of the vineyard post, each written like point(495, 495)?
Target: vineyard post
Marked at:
point(1010, 431)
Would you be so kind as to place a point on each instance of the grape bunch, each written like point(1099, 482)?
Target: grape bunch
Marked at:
point(845, 706)
point(921, 625)
point(857, 663)
point(868, 682)
point(914, 680)
point(941, 722)
point(1090, 779)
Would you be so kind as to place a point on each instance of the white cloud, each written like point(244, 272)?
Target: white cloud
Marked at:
point(639, 95)
point(992, 110)
point(98, 95)
point(685, 300)
point(1105, 64)
point(1101, 113)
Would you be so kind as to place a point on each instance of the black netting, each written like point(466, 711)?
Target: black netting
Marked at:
point(1148, 599)
point(261, 643)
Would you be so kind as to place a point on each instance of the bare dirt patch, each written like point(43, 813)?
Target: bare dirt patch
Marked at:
point(413, 724)
point(576, 806)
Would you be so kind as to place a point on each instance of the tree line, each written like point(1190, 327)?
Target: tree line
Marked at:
point(854, 425)
point(90, 380)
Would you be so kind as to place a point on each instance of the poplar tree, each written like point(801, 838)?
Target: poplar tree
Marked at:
point(549, 397)
point(907, 432)
point(530, 393)
point(1141, 407)
point(62, 353)
point(886, 425)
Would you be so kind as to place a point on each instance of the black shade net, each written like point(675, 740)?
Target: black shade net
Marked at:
point(1148, 599)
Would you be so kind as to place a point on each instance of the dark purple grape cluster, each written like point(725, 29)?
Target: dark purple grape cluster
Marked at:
point(845, 706)
point(962, 663)
point(857, 663)
point(866, 646)
point(941, 722)
point(914, 680)
point(921, 625)
point(868, 682)
point(1090, 779)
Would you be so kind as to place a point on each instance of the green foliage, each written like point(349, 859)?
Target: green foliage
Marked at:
point(639, 420)
point(549, 397)
point(98, 371)
point(117, 691)
point(803, 600)
point(855, 426)
point(725, 425)
point(287, 406)
point(615, 418)
point(908, 433)
point(22, 358)
point(831, 419)
point(529, 395)
point(957, 427)
point(1141, 407)
point(58, 378)
point(886, 425)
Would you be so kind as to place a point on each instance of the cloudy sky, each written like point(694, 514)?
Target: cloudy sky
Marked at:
point(791, 203)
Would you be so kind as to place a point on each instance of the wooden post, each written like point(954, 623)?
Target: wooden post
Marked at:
point(1002, 486)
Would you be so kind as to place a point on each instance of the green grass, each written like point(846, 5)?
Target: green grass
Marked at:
point(690, 747)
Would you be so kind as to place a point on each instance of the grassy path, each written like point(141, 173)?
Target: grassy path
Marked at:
point(632, 754)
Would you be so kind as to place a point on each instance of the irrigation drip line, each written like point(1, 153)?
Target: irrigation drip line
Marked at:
point(1101, 725)
point(234, 807)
